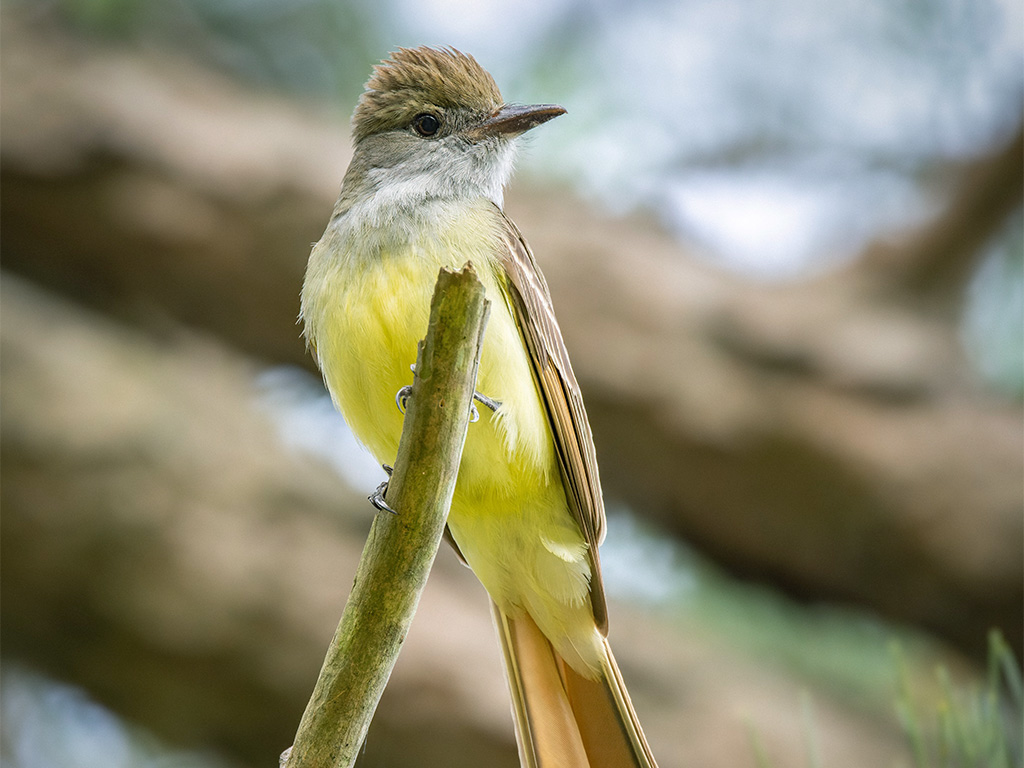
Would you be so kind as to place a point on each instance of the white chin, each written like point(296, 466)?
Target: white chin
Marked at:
point(502, 161)
point(482, 171)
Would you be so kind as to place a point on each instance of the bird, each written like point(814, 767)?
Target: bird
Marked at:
point(434, 147)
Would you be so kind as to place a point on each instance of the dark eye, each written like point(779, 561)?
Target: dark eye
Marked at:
point(426, 124)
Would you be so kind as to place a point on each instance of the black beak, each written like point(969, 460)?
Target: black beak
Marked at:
point(514, 119)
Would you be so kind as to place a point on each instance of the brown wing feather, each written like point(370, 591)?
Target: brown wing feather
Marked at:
point(530, 301)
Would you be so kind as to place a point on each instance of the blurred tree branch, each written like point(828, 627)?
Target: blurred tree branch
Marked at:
point(934, 265)
point(162, 548)
point(829, 435)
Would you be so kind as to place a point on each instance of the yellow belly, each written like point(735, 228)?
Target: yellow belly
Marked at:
point(509, 517)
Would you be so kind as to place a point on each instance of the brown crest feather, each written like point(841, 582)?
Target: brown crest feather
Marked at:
point(415, 80)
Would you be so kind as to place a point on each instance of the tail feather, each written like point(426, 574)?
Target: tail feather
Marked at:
point(563, 719)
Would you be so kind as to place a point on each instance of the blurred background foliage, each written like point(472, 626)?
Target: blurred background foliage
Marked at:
point(819, 129)
point(777, 141)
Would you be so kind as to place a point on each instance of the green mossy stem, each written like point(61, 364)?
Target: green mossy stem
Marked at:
point(401, 547)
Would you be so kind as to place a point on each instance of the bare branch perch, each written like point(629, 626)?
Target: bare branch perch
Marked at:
point(401, 548)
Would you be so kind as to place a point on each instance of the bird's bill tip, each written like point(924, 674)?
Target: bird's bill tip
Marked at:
point(514, 119)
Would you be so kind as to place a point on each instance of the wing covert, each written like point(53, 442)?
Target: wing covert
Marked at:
point(530, 302)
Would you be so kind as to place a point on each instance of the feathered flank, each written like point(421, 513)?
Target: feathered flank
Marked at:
point(416, 80)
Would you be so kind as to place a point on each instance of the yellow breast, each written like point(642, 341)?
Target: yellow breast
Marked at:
point(366, 303)
point(365, 312)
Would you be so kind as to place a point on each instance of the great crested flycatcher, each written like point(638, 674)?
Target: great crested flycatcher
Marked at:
point(434, 146)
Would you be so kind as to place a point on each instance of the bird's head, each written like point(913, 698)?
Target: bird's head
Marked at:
point(432, 124)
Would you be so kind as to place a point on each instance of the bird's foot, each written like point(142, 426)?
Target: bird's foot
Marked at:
point(377, 497)
point(484, 400)
point(402, 397)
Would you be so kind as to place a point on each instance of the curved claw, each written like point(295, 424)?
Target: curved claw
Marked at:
point(402, 397)
point(377, 498)
point(474, 414)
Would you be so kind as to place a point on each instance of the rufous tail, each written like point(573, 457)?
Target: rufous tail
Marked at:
point(563, 719)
